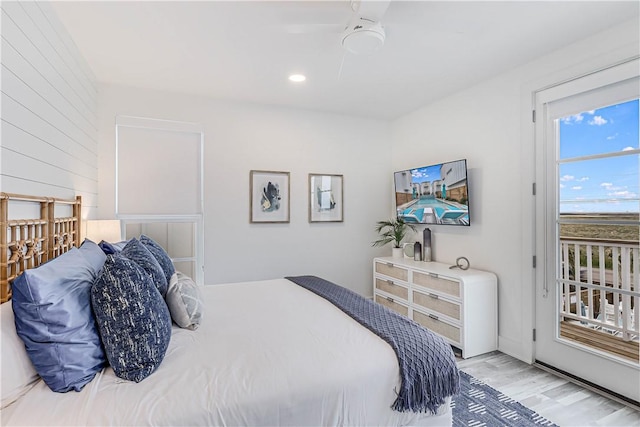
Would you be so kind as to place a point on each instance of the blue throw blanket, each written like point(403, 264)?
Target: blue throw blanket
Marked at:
point(427, 365)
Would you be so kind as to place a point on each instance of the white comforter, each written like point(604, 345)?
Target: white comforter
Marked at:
point(267, 353)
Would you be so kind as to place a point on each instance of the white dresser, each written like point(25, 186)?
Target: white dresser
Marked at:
point(459, 305)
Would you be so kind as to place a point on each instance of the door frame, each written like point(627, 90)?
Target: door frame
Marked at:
point(585, 62)
point(544, 216)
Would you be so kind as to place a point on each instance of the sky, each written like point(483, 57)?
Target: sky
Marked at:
point(429, 173)
point(600, 185)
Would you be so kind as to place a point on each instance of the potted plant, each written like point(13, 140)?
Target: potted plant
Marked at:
point(393, 230)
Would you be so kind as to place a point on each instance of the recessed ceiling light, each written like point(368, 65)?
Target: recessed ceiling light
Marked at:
point(297, 78)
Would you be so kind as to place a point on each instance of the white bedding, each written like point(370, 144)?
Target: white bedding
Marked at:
point(266, 353)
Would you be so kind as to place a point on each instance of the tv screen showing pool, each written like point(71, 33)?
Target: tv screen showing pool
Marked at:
point(436, 194)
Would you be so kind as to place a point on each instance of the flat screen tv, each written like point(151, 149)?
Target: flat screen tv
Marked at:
point(435, 194)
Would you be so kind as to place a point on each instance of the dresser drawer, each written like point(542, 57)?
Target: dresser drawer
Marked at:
point(391, 288)
point(438, 326)
point(435, 303)
point(390, 303)
point(440, 284)
point(391, 270)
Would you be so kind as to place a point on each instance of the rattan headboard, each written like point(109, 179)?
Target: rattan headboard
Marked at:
point(28, 243)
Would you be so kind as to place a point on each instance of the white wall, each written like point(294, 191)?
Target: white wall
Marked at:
point(242, 137)
point(490, 125)
point(49, 100)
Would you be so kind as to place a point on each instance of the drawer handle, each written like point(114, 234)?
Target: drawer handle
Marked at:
point(389, 264)
point(433, 316)
point(433, 275)
point(434, 296)
point(390, 282)
point(389, 299)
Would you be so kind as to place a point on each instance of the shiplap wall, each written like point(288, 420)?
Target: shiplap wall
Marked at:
point(49, 101)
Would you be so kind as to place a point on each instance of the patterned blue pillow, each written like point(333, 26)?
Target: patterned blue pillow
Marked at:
point(52, 306)
point(132, 317)
point(161, 256)
point(137, 252)
point(111, 248)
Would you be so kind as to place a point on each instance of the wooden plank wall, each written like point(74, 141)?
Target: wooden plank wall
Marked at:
point(49, 141)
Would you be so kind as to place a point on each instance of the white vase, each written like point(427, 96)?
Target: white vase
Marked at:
point(397, 252)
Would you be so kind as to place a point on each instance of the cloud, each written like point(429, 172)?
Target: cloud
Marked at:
point(576, 118)
point(625, 194)
point(614, 136)
point(583, 179)
point(628, 149)
point(612, 188)
point(598, 121)
point(577, 187)
point(567, 178)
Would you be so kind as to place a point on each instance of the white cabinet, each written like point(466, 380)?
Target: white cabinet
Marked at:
point(459, 305)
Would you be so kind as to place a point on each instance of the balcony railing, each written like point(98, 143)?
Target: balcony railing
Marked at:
point(599, 294)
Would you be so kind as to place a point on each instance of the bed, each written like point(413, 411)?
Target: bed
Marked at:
point(265, 353)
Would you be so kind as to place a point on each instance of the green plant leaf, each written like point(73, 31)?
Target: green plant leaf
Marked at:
point(393, 230)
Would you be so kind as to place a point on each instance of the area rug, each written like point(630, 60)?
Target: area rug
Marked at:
point(479, 405)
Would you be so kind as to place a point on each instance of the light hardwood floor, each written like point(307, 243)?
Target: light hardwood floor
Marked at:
point(553, 397)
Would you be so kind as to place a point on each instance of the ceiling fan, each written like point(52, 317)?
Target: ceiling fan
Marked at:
point(364, 34)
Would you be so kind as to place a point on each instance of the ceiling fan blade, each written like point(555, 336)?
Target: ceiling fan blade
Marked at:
point(312, 28)
point(344, 54)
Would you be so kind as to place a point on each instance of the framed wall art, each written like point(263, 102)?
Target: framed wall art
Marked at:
point(269, 196)
point(326, 198)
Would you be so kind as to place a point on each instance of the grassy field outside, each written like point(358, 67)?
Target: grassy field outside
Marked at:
point(628, 233)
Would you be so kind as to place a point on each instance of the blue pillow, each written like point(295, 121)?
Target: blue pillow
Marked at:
point(161, 256)
point(107, 248)
point(137, 252)
point(93, 253)
point(53, 318)
point(111, 248)
point(133, 319)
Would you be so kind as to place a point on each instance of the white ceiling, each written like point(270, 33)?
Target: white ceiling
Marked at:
point(245, 50)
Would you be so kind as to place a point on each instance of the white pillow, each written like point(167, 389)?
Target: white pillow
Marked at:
point(17, 374)
point(184, 302)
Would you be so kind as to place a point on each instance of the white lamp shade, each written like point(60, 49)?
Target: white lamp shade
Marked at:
point(104, 229)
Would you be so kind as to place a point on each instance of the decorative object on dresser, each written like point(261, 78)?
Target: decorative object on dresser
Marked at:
point(269, 196)
point(393, 230)
point(426, 247)
point(408, 249)
point(459, 305)
point(462, 263)
point(417, 251)
point(326, 198)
